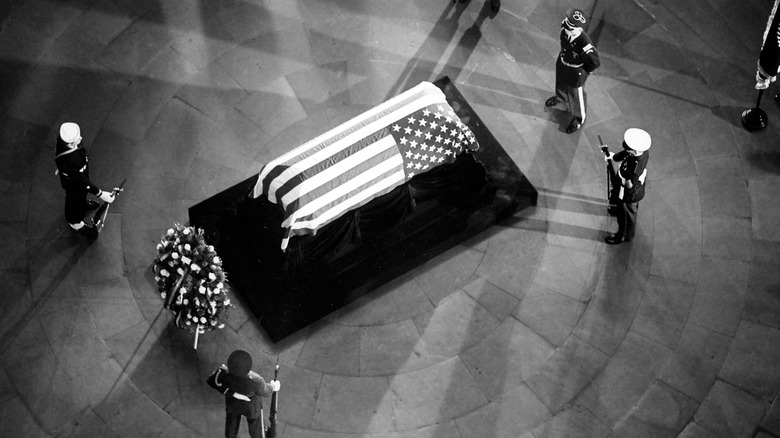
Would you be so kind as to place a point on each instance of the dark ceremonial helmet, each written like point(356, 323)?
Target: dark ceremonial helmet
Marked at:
point(636, 139)
point(239, 363)
point(575, 18)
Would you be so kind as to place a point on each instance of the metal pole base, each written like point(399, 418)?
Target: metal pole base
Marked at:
point(754, 119)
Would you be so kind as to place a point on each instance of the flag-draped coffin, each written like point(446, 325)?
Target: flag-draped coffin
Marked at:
point(366, 157)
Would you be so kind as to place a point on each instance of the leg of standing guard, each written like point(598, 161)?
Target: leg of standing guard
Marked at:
point(622, 215)
point(630, 227)
point(577, 103)
point(232, 421)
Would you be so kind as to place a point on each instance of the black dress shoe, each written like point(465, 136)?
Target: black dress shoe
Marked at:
point(612, 211)
point(552, 101)
point(495, 5)
point(613, 239)
point(573, 126)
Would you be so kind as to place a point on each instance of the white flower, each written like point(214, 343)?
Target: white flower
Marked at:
point(188, 322)
point(220, 285)
point(221, 326)
point(180, 271)
point(202, 289)
point(213, 322)
point(163, 295)
point(212, 277)
point(170, 231)
point(227, 302)
point(211, 248)
point(186, 231)
point(156, 278)
point(217, 260)
point(175, 255)
point(164, 273)
point(159, 247)
point(195, 267)
point(185, 301)
point(183, 290)
point(187, 247)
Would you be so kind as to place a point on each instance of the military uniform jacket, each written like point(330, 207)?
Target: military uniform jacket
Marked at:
point(578, 58)
point(73, 167)
point(228, 384)
point(631, 168)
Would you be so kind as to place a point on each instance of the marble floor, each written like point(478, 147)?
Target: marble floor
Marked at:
point(533, 329)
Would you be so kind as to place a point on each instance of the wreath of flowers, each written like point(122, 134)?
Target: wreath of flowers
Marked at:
point(190, 279)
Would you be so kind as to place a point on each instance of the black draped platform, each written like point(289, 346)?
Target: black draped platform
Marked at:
point(367, 247)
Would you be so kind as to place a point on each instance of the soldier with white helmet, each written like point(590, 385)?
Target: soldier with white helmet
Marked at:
point(628, 182)
point(73, 167)
point(576, 61)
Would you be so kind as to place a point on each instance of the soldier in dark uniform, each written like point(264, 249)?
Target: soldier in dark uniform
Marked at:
point(243, 389)
point(495, 5)
point(628, 182)
point(73, 167)
point(576, 61)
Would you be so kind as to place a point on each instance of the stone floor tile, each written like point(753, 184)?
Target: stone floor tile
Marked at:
point(332, 349)
point(141, 417)
point(771, 423)
point(511, 259)
point(729, 411)
point(16, 420)
point(517, 412)
point(573, 421)
point(300, 396)
point(764, 212)
point(571, 368)
point(696, 361)
point(751, 364)
point(18, 303)
point(662, 411)
point(273, 108)
point(722, 187)
point(568, 271)
point(322, 87)
point(86, 424)
point(664, 310)
point(354, 404)
point(393, 348)
point(550, 314)
point(703, 133)
point(47, 391)
point(761, 305)
point(455, 325)
point(504, 359)
point(499, 303)
point(720, 295)
point(695, 430)
point(727, 237)
point(443, 391)
point(611, 312)
point(447, 273)
point(624, 379)
point(133, 49)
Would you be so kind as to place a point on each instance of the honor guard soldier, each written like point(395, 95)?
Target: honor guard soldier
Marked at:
point(576, 61)
point(243, 389)
point(628, 182)
point(73, 167)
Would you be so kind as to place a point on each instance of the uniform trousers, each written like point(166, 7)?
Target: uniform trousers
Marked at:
point(233, 421)
point(76, 206)
point(574, 97)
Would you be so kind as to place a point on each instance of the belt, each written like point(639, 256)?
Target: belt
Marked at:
point(570, 65)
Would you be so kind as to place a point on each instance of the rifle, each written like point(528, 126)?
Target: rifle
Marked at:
point(99, 219)
point(605, 151)
point(271, 431)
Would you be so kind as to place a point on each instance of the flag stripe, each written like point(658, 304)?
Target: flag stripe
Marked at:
point(311, 179)
point(381, 187)
point(392, 163)
point(366, 129)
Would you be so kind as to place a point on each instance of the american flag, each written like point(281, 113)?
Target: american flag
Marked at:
point(366, 157)
point(769, 58)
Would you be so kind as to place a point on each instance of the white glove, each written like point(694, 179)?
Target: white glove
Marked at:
point(107, 197)
point(240, 396)
point(275, 385)
point(608, 156)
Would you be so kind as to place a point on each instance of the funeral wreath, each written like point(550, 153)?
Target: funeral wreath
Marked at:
point(190, 279)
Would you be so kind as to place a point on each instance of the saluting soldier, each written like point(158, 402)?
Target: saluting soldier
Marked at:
point(73, 167)
point(628, 182)
point(576, 61)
